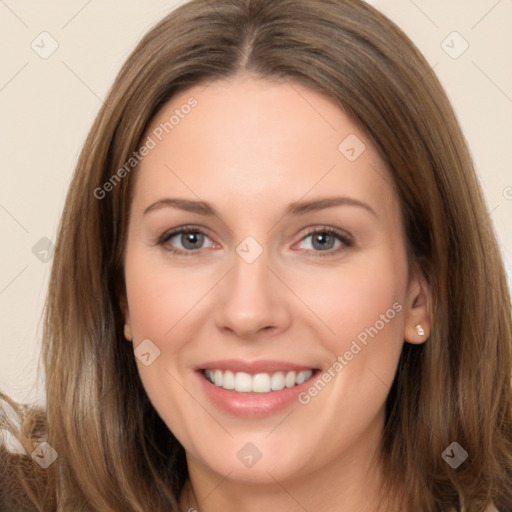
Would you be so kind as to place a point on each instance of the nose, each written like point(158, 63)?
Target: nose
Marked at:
point(253, 300)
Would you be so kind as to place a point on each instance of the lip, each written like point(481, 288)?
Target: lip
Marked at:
point(253, 405)
point(253, 367)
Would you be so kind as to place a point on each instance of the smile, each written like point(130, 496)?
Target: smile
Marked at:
point(254, 389)
point(243, 382)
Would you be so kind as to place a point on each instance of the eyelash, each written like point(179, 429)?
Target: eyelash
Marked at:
point(340, 235)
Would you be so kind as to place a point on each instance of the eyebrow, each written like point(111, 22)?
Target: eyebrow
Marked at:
point(296, 208)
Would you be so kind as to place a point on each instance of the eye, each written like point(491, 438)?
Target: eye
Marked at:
point(188, 239)
point(327, 240)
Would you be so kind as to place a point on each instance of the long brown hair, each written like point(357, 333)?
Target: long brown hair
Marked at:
point(115, 453)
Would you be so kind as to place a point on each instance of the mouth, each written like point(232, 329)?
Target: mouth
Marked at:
point(254, 389)
point(242, 382)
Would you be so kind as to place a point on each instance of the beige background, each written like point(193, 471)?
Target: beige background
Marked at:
point(48, 106)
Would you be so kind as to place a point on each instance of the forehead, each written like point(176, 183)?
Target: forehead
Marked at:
point(245, 137)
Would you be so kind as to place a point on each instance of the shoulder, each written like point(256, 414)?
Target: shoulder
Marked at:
point(14, 475)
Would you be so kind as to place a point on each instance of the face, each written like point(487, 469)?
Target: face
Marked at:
point(266, 253)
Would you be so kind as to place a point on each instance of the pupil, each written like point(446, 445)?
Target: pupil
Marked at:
point(193, 239)
point(322, 238)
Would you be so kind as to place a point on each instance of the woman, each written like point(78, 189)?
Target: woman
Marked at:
point(275, 284)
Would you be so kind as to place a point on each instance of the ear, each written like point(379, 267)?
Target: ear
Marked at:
point(127, 322)
point(417, 315)
point(128, 331)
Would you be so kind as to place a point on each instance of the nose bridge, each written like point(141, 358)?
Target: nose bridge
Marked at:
point(249, 281)
point(251, 298)
point(250, 272)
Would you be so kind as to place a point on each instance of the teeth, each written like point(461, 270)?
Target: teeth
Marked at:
point(243, 382)
point(277, 381)
point(301, 377)
point(259, 383)
point(228, 380)
point(289, 380)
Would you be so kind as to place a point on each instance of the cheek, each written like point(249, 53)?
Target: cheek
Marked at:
point(336, 306)
point(344, 301)
point(158, 296)
point(158, 300)
point(365, 292)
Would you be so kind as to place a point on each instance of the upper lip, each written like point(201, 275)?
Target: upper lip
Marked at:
point(253, 367)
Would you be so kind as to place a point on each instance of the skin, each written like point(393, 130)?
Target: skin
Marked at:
point(250, 148)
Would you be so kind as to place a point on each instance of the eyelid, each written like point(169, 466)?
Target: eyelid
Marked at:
point(329, 229)
point(167, 235)
point(176, 231)
point(346, 238)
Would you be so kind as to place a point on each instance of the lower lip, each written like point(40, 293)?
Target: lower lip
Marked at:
point(252, 405)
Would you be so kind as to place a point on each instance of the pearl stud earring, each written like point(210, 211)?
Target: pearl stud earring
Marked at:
point(420, 330)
